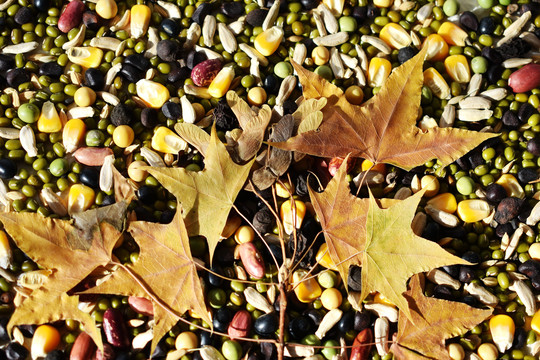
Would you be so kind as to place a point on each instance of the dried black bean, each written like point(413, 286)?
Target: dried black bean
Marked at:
point(6, 62)
point(170, 27)
point(510, 119)
point(360, 13)
point(172, 110)
point(517, 47)
point(495, 193)
point(8, 168)
point(406, 53)
point(262, 221)
point(266, 325)
point(354, 279)
point(94, 79)
point(442, 292)
point(213, 277)
point(531, 268)
point(24, 15)
point(149, 118)
point(146, 194)
point(224, 118)
point(194, 58)
point(138, 61)
point(51, 69)
point(525, 111)
point(90, 177)
point(256, 17)
point(469, 21)
point(466, 274)
point(494, 73)
point(91, 20)
point(200, 13)
point(16, 77)
point(55, 355)
point(346, 322)
point(232, 10)
point(271, 84)
point(487, 25)
point(361, 320)
point(301, 326)
point(527, 175)
point(167, 50)
point(131, 73)
point(42, 5)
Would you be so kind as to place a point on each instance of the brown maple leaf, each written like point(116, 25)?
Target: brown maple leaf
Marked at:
point(383, 129)
point(164, 273)
point(433, 322)
point(206, 196)
point(71, 250)
point(359, 232)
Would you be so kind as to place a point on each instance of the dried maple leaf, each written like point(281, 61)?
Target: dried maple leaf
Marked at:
point(383, 129)
point(206, 196)
point(359, 232)
point(433, 322)
point(71, 250)
point(165, 272)
point(253, 124)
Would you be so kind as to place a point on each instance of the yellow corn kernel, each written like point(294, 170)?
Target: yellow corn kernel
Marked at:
point(437, 47)
point(502, 330)
point(445, 202)
point(49, 121)
point(511, 185)
point(140, 20)
point(381, 299)
point(378, 71)
point(46, 339)
point(221, 83)
point(335, 6)
point(268, 41)
point(244, 234)
point(232, 224)
point(369, 166)
point(284, 189)
point(152, 93)
point(535, 322)
point(452, 34)
point(87, 57)
point(73, 134)
point(166, 141)
point(323, 257)
point(292, 215)
point(473, 210)
point(395, 36)
point(431, 184)
point(5, 250)
point(458, 68)
point(383, 3)
point(436, 83)
point(306, 290)
point(80, 198)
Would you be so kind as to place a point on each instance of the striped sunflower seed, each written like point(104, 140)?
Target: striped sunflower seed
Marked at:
point(21, 48)
point(272, 15)
point(227, 38)
point(209, 30)
point(382, 328)
point(332, 39)
point(28, 140)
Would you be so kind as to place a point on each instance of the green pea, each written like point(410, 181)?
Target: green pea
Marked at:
point(283, 69)
point(348, 24)
point(486, 4)
point(327, 279)
point(465, 185)
point(479, 65)
point(29, 113)
point(450, 7)
point(330, 351)
point(231, 350)
point(94, 138)
point(58, 167)
point(325, 72)
point(311, 340)
point(217, 298)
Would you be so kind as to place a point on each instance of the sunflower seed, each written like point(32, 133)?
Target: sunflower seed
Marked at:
point(490, 281)
point(298, 351)
point(516, 62)
point(532, 39)
point(360, 77)
point(285, 90)
point(362, 57)
point(300, 53)
point(474, 85)
point(440, 277)
point(256, 71)
point(448, 116)
point(33, 279)
point(200, 92)
point(382, 310)
point(329, 320)
point(153, 39)
point(378, 43)
point(473, 115)
point(257, 300)
point(442, 217)
point(152, 157)
point(105, 42)
point(208, 352)
point(271, 16)
point(122, 22)
point(475, 102)
point(426, 123)
point(402, 193)
point(382, 327)
point(111, 74)
point(106, 174)
point(238, 26)
point(28, 140)
point(407, 5)
point(9, 133)
point(6, 4)
point(227, 38)
point(172, 10)
point(319, 23)
point(109, 98)
point(193, 35)
point(515, 28)
point(252, 53)
point(534, 216)
point(209, 30)
point(336, 64)
point(525, 295)
point(188, 112)
point(330, 22)
point(349, 61)
point(415, 39)
point(142, 339)
point(424, 12)
point(333, 39)
point(514, 241)
point(80, 112)
point(54, 202)
point(77, 39)
point(483, 295)
point(21, 48)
